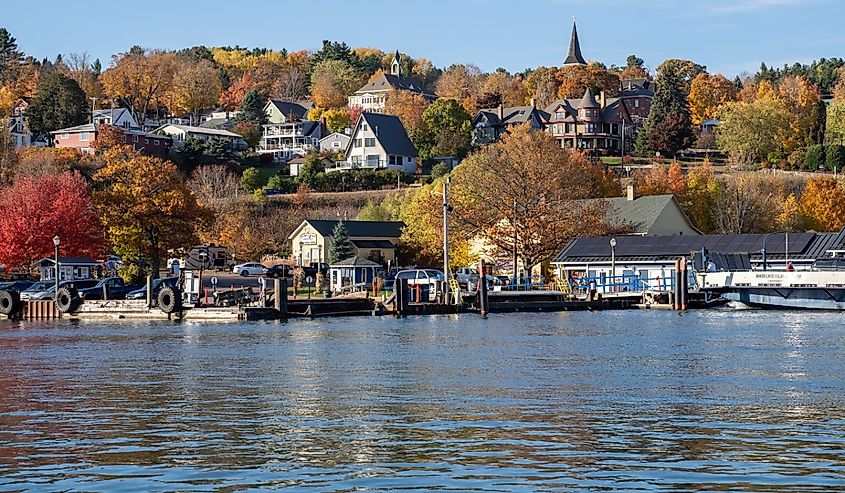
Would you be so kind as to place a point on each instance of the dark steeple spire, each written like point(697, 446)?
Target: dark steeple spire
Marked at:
point(574, 57)
point(396, 65)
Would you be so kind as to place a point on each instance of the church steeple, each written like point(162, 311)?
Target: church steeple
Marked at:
point(574, 57)
point(396, 65)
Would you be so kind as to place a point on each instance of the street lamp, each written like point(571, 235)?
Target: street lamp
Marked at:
point(56, 241)
point(613, 262)
point(785, 251)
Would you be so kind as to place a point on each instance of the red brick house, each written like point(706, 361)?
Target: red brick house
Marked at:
point(81, 137)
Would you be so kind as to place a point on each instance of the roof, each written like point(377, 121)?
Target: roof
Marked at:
point(68, 261)
point(359, 229)
point(802, 246)
point(390, 133)
point(589, 100)
point(574, 56)
point(641, 213)
point(86, 127)
point(200, 130)
point(510, 116)
point(384, 244)
point(218, 123)
point(290, 109)
point(386, 82)
point(114, 113)
point(335, 135)
point(356, 262)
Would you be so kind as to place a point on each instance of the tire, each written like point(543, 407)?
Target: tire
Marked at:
point(244, 273)
point(67, 299)
point(10, 302)
point(169, 300)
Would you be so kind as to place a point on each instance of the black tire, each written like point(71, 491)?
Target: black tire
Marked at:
point(10, 302)
point(244, 273)
point(169, 300)
point(67, 299)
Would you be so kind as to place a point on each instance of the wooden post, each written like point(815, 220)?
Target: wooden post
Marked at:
point(149, 291)
point(105, 292)
point(282, 298)
point(482, 290)
point(676, 286)
point(403, 295)
point(684, 284)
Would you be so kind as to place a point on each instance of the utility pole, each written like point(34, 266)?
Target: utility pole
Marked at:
point(515, 259)
point(93, 107)
point(446, 239)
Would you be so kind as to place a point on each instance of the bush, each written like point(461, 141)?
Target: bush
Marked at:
point(284, 184)
point(265, 159)
point(352, 181)
point(814, 159)
point(775, 157)
point(835, 157)
point(251, 179)
point(440, 170)
point(796, 159)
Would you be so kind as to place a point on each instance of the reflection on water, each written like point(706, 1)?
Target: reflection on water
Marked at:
point(716, 400)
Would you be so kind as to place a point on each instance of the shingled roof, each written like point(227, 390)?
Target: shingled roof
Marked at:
point(357, 229)
point(390, 133)
point(387, 82)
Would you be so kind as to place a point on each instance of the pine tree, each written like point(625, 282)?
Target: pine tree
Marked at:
point(60, 103)
point(252, 109)
point(669, 126)
point(341, 247)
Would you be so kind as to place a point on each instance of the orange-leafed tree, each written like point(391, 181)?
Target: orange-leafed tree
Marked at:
point(108, 136)
point(36, 208)
point(146, 206)
point(139, 79)
point(823, 204)
point(575, 79)
point(707, 93)
point(408, 106)
point(232, 97)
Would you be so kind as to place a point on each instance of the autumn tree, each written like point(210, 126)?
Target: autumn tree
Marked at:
point(748, 132)
point(702, 189)
point(802, 99)
point(36, 208)
point(80, 68)
point(461, 83)
point(139, 79)
point(333, 81)
point(233, 96)
point(668, 128)
point(196, 86)
point(108, 137)
point(707, 93)
point(291, 83)
point(521, 194)
point(408, 106)
point(146, 207)
point(634, 69)
point(682, 72)
point(744, 204)
point(542, 84)
point(835, 123)
point(510, 88)
point(575, 79)
point(60, 103)
point(337, 119)
point(823, 204)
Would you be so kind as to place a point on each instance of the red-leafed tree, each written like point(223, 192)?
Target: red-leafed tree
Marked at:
point(37, 208)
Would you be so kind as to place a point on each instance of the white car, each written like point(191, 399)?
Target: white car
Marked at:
point(249, 269)
point(466, 275)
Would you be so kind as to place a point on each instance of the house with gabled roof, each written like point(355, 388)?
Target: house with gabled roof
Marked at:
point(116, 117)
point(373, 240)
point(373, 95)
point(379, 142)
point(490, 123)
point(183, 133)
point(279, 111)
point(288, 140)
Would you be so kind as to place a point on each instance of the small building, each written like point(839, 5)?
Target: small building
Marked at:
point(290, 139)
point(373, 95)
point(709, 126)
point(372, 240)
point(18, 126)
point(117, 117)
point(353, 275)
point(183, 133)
point(70, 268)
point(379, 142)
point(650, 215)
point(489, 124)
point(334, 142)
point(81, 138)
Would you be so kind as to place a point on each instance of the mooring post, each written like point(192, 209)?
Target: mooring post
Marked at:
point(149, 291)
point(676, 286)
point(282, 298)
point(482, 289)
point(684, 284)
point(402, 296)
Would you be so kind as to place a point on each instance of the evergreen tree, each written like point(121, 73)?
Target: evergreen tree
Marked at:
point(97, 67)
point(10, 57)
point(341, 248)
point(60, 103)
point(252, 109)
point(668, 128)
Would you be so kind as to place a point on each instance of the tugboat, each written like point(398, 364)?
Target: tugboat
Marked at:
point(820, 288)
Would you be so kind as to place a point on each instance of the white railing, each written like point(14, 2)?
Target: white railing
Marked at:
point(349, 165)
point(274, 146)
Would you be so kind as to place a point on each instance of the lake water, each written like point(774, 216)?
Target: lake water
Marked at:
point(612, 401)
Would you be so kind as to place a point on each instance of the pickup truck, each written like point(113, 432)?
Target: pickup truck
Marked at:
point(116, 287)
point(311, 270)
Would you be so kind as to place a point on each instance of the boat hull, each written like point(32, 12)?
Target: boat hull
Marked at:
point(789, 298)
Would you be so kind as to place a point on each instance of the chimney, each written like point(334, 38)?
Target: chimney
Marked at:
point(630, 190)
point(534, 102)
point(602, 99)
point(501, 111)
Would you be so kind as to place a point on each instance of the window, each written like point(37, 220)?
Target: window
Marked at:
point(560, 115)
point(134, 138)
point(392, 159)
point(364, 127)
point(146, 141)
point(83, 136)
point(65, 136)
point(636, 103)
point(155, 141)
point(356, 143)
point(335, 144)
point(369, 142)
point(591, 128)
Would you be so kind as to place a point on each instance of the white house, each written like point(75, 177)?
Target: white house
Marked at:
point(116, 117)
point(379, 142)
point(372, 96)
point(335, 141)
point(182, 133)
point(284, 111)
point(288, 140)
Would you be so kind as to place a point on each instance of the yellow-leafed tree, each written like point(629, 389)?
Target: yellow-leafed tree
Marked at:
point(823, 204)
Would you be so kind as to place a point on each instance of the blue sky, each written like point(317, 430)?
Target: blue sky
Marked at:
point(728, 36)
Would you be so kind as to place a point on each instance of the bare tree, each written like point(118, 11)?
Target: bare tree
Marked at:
point(292, 84)
point(215, 185)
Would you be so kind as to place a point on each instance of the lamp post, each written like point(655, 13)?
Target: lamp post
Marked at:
point(446, 208)
point(56, 242)
point(613, 262)
point(785, 251)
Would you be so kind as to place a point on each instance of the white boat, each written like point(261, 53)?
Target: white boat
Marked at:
point(806, 290)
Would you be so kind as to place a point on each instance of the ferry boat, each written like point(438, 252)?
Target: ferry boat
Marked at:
point(805, 290)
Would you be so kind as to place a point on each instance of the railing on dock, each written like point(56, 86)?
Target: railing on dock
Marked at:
point(40, 310)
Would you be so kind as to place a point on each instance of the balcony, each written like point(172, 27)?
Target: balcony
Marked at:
point(299, 147)
point(284, 130)
point(354, 165)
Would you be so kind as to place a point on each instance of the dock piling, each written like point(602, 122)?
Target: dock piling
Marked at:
point(483, 301)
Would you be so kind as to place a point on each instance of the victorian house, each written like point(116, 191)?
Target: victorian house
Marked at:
point(373, 95)
point(489, 124)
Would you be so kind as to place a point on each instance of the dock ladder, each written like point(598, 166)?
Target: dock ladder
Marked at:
point(564, 287)
point(456, 290)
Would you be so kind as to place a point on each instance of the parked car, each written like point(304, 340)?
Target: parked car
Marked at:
point(466, 275)
point(421, 276)
point(141, 293)
point(46, 290)
point(314, 267)
point(280, 270)
point(250, 269)
point(117, 289)
point(16, 286)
